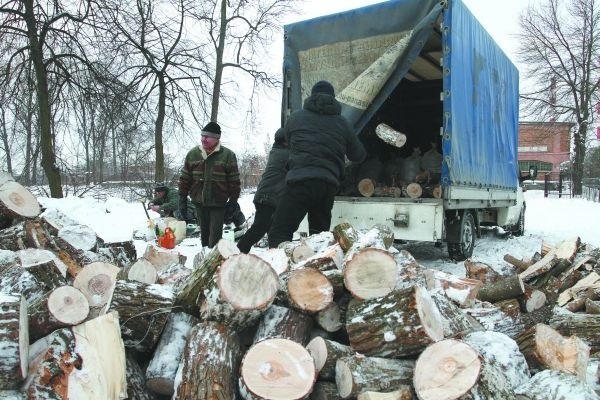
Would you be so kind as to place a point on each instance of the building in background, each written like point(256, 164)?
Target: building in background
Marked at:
point(545, 145)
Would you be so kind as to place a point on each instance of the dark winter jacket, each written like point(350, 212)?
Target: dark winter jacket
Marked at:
point(272, 182)
point(210, 180)
point(169, 203)
point(319, 138)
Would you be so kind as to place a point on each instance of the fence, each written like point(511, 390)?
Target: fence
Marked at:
point(591, 193)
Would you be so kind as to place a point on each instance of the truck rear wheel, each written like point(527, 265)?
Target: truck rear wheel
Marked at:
point(463, 249)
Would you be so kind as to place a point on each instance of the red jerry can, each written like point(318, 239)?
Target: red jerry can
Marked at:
point(167, 240)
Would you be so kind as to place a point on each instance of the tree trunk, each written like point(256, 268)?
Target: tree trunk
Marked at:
point(161, 371)
point(277, 369)
point(400, 324)
point(190, 295)
point(64, 306)
point(356, 374)
point(326, 353)
point(390, 136)
point(201, 376)
point(507, 288)
point(14, 340)
point(284, 323)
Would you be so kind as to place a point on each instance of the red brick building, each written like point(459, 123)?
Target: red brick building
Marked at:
point(544, 144)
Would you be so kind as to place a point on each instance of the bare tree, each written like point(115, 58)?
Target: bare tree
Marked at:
point(162, 62)
point(560, 46)
point(241, 32)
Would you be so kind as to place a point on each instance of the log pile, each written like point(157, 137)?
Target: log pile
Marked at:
point(351, 317)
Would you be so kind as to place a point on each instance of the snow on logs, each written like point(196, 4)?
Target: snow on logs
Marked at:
point(14, 340)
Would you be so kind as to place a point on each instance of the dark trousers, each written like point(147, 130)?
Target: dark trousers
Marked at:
point(312, 197)
point(262, 222)
point(210, 220)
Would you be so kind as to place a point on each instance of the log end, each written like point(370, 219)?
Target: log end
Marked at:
point(370, 273)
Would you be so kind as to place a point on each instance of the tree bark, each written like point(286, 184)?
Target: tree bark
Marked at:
point(356, 374)
point(584, 326)
point(547, 383)
point(136, 388)
point(143, 311)
point(400, 324)
point(507, 288)
point(161, 371)
point(14, 340)
point(284, 323)
point(345, 235)
point(458, 323)
point(200, 376)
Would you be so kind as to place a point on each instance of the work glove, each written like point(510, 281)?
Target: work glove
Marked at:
point(183, 207)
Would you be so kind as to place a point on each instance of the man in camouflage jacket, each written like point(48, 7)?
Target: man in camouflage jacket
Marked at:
point(211, 178)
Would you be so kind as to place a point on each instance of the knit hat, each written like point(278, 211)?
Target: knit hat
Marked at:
point(323, 87)
point(212, 129)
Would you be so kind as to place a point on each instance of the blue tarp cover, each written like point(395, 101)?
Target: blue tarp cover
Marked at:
point(366, 52)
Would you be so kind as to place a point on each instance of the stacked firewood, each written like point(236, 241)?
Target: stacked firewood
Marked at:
point(338, 315)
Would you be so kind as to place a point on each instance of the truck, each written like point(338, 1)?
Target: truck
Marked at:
point(429, 71)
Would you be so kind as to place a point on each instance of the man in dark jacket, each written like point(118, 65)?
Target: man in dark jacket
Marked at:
point(268, 193)
point(165, 201)
point(211, 178)
point(318, 138)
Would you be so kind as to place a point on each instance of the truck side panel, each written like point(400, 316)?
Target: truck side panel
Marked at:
point(481, 95)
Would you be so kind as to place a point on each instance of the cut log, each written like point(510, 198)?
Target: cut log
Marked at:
point(507, 288)
point(297, 251)
point(387, 191)
point(23, 235)
point(328, 259)
point(400, 324)
point(326, 352)
point(37, 275)
point(390, 136)
point(77, 237)
point(493, 318)
point(136, 387)
point(244, 287)
point(565, 250)
point(284, 323)
point(142, 271)
point(190, 295)
point(413, 190)
point(162, 259)
point(53, 220)
point(456, 322)
point(370, 273)
point(584, 326)
point(277, 259)
point(14, 340)
point(592, 307)
point(545, 348)
point(410, 272)
point(366, 187)
point(356, 374)
point(319, 241)
point(36, 257)
point(174, 276)
point(550, 384)
point(330, 318)
point(97, 281)
point(8, 259)
point(532, 299)
point(589, 281)
point(520, 265)
point(481, 272)
point(62, 307)
point(161, 371)
point(463, 291)
point(17, 201)
point(210, 364)
point(451, 369)
point(143, 310)
point(309, 290)
point(502, 353)
point(277, 369)
point(434, 191)
point(510, 307)
point(103, 373)
point(345, 235)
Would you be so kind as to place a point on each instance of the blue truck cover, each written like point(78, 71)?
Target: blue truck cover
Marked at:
point(366, 52)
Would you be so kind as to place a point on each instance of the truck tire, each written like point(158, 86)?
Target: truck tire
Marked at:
point(464, 248)
point(520, 226)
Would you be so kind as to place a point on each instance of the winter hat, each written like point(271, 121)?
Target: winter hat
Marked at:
point(279, 136)
point(212, 129)
point(323, 87)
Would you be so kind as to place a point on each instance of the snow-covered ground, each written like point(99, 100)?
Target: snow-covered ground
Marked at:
point(546, 219)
